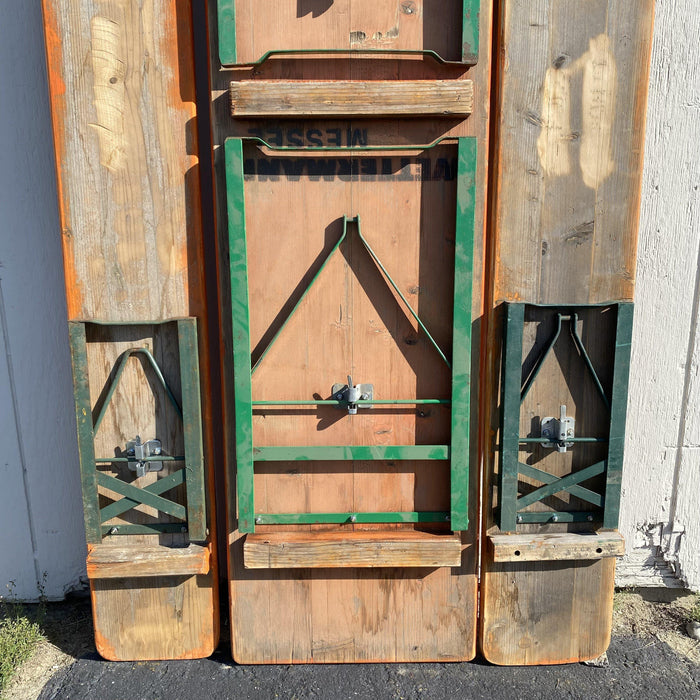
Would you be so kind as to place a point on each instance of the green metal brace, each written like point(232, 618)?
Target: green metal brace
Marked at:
point(458, 450)
point(193, 516)
point(514, 389)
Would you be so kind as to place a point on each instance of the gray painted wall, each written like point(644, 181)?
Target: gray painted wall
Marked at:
point(40, 508)
point(41, 526)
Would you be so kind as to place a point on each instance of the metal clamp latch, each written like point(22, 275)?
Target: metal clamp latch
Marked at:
point(557, 430)
point(140, 455)
point(351, 393)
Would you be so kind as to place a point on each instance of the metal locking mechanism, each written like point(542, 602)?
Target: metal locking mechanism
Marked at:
point(350, 394)
point(142, 454)
point(557, 430)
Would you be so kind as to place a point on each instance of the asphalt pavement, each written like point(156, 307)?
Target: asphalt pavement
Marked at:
point(639, 669)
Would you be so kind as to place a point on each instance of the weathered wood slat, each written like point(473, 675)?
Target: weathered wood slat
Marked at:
point(120, 561)
point(556, 546)
point(567, 138)
point(335, 98)
point(317, 550)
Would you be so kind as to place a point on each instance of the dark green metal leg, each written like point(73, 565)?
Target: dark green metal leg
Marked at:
point(618, 414)
point(510, 406)
point(86, 439)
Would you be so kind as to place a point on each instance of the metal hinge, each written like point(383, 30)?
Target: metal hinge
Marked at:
point(348, 395)
point(557, 430)
point(143, 454)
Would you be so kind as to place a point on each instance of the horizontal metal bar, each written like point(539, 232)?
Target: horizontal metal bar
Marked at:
point(350, 452)
point(574, 439)
point(350, 518)
point(154, 458)
point(561, 517)
point(427, 53)
point(347, 149)
point(155, 529)
point(369, 402)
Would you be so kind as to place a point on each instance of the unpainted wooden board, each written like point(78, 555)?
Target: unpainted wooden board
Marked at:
point(115, 561)
point(257, 98)
point(121, 76)
point(280, 550)
point(163, 617)
point(556, 547)
point(546, 612)
point(571, 89)
point(268, 25)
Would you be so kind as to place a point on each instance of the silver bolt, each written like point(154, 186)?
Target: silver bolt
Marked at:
point(590, 518)
point(519, 519)
point(570, 432)
point(339, 396)
point(156, 450)
point(114, 530)
point(364, 397)
point(258, 520)
point(447, 518)
point(555, 518)
point(353, 518)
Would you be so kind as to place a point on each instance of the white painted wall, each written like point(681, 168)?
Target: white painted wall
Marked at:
point(661, 486)
point(40, 508)
point(41, 527)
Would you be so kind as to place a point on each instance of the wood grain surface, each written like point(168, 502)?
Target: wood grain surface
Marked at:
point(571, 84)
point(376, 98)
point(350, 322)
point(556, 547)
point(121, 78)
point(318, 550)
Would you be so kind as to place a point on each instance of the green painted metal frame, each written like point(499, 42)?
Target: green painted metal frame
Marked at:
point(193, 516)
point(226, 12)
point(513, 392)
point(458, 450)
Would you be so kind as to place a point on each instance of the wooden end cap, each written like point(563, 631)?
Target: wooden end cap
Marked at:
point(351, 98)
point(123, 561)
point(372, 549)
point(556, 546)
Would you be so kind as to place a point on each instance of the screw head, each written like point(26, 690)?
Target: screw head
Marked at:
point(258, 520)
point(183, 529)
point(555, 518)
point(353, 518)
point(519, 519)
point(590, 518)
point(339, 396)
point(114, 530)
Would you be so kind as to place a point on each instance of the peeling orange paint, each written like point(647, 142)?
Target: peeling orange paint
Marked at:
point(57, 95)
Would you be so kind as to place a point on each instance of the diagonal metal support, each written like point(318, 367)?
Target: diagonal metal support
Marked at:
point(121, 365)
point(351, 220)
point(142, 496)
point(546, 478)
point(114, 510)
point(561, 484)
